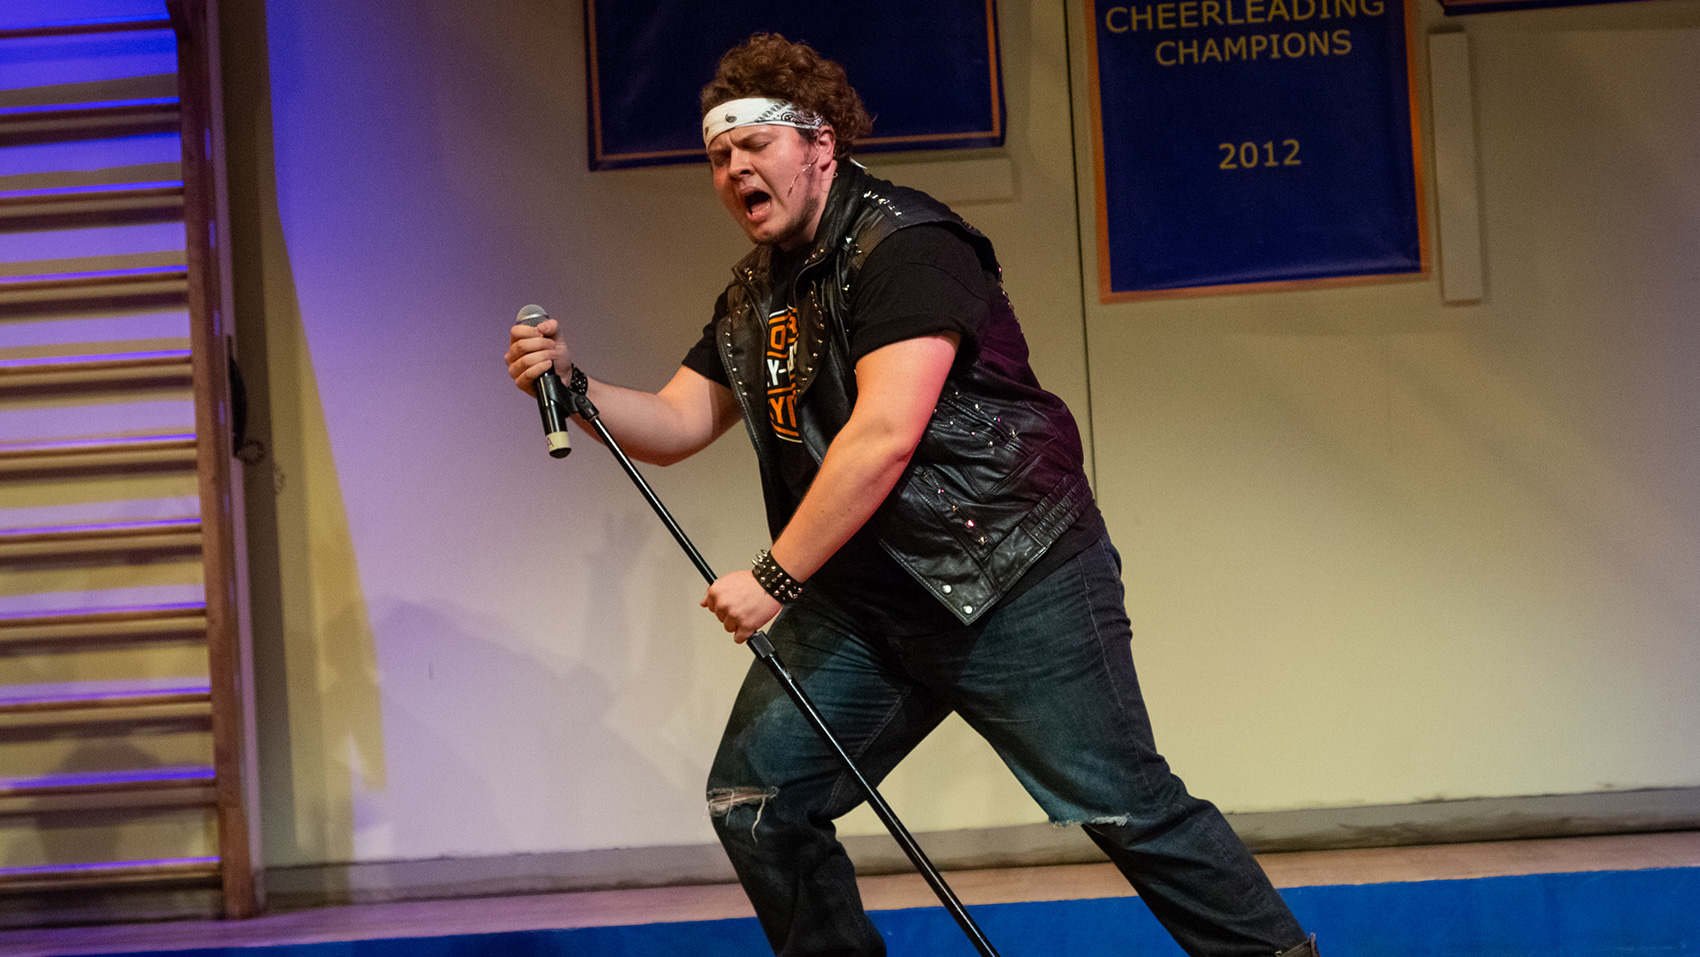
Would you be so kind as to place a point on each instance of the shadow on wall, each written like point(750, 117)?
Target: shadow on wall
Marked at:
point(495, 747)
point(672, 689)
point(314, 665)
point(320, 723)
point(321, 730)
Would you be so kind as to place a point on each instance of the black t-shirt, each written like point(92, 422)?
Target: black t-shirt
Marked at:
point(921, 281)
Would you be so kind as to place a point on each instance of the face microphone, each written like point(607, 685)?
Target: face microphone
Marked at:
point(551, 394)
point(794, 179)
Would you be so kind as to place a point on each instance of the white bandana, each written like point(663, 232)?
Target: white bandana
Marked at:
point(754, 111)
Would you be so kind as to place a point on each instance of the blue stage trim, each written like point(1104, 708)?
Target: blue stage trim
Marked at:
point(1594, 914)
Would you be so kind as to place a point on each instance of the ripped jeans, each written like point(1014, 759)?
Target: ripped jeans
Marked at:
point(1048, 680)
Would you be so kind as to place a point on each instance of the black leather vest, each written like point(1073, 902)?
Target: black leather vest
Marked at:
point(998, 474)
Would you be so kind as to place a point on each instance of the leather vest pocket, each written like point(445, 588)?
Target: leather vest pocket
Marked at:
point(985, 442)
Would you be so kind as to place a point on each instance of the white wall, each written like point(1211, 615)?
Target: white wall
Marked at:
point(1379, 550)
point(1383, 550)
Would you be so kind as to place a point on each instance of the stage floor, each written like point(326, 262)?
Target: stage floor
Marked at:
point(1006, 885)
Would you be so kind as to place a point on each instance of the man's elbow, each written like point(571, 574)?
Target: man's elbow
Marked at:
point(684, 434)
point(672, 452)
point(892, 449)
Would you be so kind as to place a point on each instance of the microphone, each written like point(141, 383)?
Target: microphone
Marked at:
point(551, 394)
point(799, 176)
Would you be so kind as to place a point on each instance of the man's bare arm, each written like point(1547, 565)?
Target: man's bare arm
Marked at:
point(897, 387)
point(660, 428)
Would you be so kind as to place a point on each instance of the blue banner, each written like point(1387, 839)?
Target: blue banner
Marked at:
point(928, 72)
point(1252, 143)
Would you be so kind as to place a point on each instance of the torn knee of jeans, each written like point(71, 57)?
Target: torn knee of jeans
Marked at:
point(1102, 820)
point(721, 801)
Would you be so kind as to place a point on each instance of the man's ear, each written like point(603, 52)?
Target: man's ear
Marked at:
point(825, 137)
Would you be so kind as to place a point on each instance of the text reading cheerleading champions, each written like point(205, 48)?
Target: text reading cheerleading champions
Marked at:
point(1266, 29)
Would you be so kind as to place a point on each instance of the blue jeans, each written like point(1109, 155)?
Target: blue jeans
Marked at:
point(1048, 680)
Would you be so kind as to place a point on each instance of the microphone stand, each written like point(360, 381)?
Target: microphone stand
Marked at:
point(763, 650)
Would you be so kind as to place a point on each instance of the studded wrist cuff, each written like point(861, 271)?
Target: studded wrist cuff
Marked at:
point(775, 580)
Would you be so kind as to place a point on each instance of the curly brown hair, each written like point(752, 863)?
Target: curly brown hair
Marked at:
point(767, 64)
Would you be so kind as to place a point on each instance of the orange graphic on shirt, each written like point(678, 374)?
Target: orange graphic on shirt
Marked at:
point(780, 360)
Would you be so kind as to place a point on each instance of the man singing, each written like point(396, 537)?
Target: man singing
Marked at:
point(936, 547)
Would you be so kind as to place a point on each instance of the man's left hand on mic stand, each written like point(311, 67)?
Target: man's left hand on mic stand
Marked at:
point(741, 604)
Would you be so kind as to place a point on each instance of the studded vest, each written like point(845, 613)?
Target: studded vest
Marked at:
point(998, 474)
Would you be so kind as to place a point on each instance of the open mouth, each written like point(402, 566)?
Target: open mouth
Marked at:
point(755, 202)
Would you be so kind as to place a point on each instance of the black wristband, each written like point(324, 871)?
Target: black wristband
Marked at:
point(775, 580)
point(577, 382)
